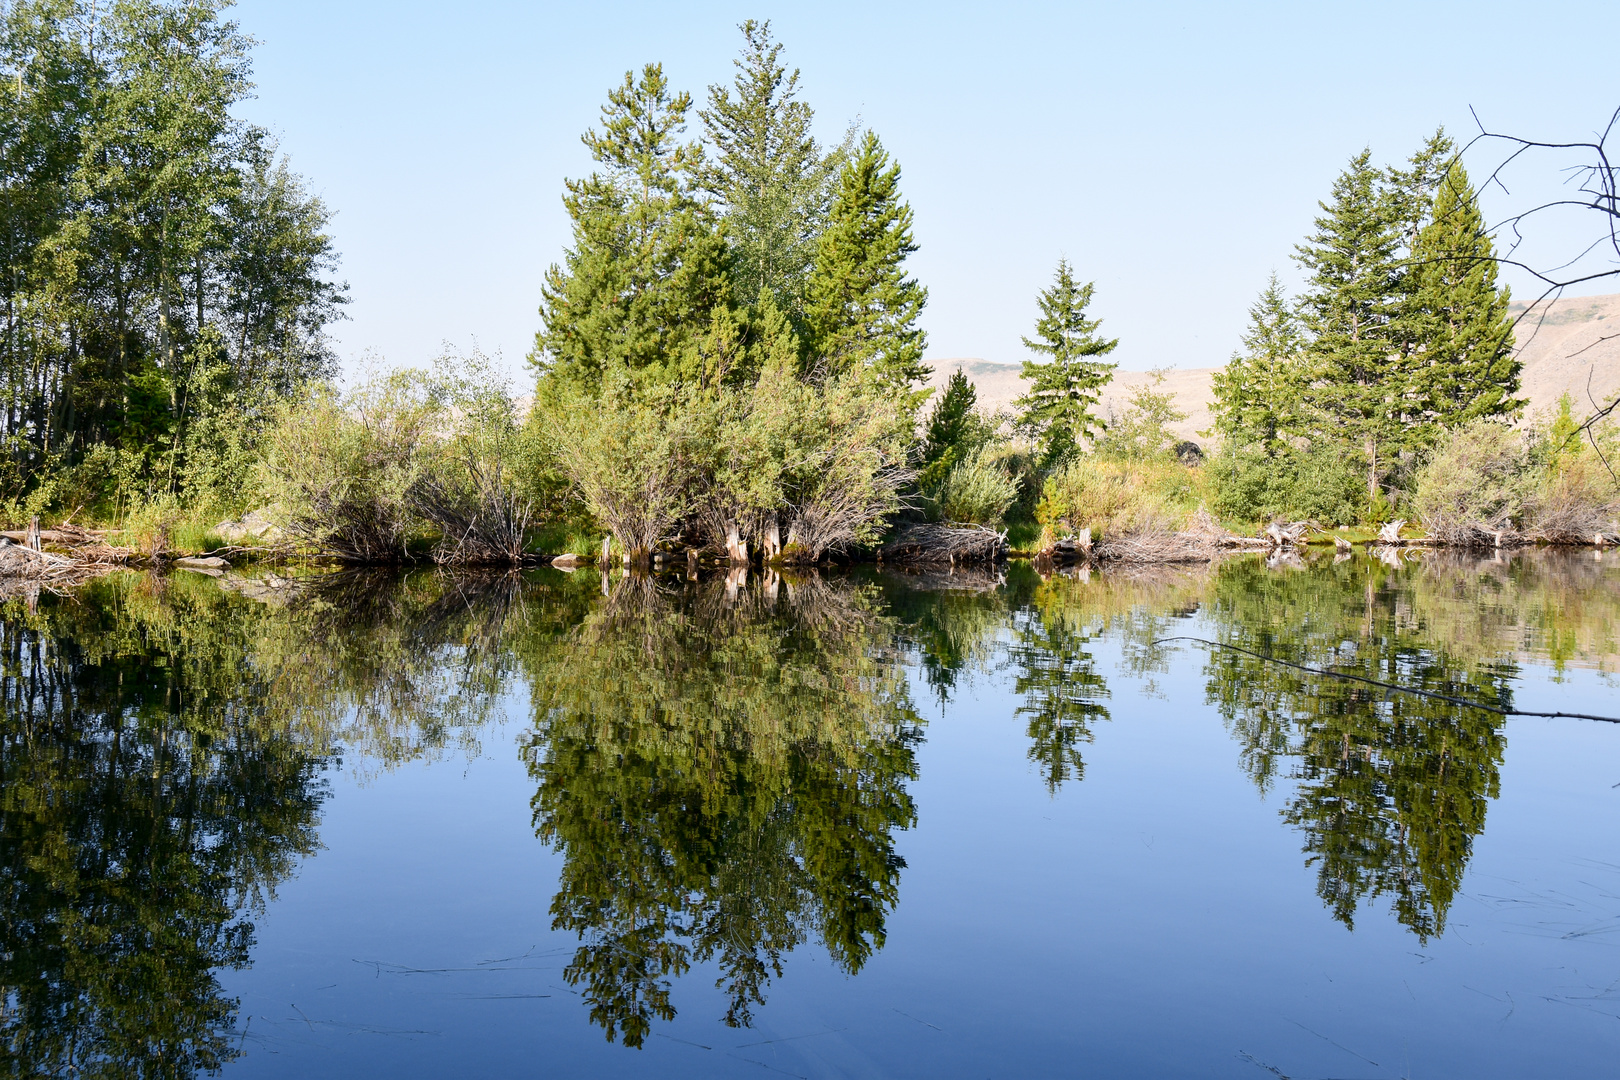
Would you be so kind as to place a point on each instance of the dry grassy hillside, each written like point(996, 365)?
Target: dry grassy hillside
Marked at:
point(1562, 344)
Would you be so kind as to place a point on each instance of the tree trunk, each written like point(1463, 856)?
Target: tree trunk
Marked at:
point(1372, 471)
point(773, 541)
point(736, 546)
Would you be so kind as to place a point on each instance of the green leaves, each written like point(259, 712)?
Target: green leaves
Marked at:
point(156, 248)
point(649, 263)
point(1461, 337)
point(1258, 396)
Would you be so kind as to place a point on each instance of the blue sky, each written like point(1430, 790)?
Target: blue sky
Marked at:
point(1173, 152)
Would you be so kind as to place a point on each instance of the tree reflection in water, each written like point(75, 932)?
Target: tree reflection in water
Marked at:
point(146, 813)
point(1391, 788)
point(161, 758)
point(723, 768)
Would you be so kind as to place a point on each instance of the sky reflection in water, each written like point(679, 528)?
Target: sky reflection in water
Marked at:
point(868, 825)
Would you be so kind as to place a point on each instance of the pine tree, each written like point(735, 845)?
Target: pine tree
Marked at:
point(771, 178)
point(648, 264)
point(1257, 395)
point(1411, 190)
point(1064, 389)
point(1359, 385)
point(1464, 367)
point(862, 309)
point(951, 419)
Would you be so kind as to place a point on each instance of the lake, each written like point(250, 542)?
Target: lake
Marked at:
point(866, 824)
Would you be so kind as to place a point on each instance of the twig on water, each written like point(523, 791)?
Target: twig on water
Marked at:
point(1392, 686)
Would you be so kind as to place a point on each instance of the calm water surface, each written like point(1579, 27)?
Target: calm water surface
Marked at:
point(837, 826)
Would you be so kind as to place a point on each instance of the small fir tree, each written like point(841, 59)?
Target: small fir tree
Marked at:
point(1359, 387)
point(952, 418)
point(1464, 367)
point(862, 309)
point(1065, 388)
point(1257, 395)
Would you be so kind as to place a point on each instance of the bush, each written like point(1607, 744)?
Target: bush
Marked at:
point(1114, 498)
point(471, 490)
point(1478, 480)
point(341, 468)
point(1142, 431)
point(1252, 486)
point(978, 489)
point(631, 456)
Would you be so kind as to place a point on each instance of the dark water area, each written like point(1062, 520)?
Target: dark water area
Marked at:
point(864, 825)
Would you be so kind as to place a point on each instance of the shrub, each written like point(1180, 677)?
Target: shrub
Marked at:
point(470, 490)
point(978, 489)
point(341, 468)
point(1576, 495)
point(630, 455)
point(1114, 497)
point(1478, 480)
point(1253, 486)
point(1142, 431)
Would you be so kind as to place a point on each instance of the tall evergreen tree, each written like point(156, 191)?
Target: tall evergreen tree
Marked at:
point(1064, 389)
point(1359, 387)
point(1456, 315)
point(1257, 395)
point(773, 182)
point(862, 309)
point(648, 263)
point(1411, 191)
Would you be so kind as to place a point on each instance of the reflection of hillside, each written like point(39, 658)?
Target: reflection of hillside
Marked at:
point(723, 770)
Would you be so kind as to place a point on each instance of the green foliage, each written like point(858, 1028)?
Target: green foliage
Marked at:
point(862, 310)
point(978, 489)
point(1401, 336)
point(1456, 316)
point(1064, 389)
point(1479, 477)
point(648, 263)
point(1142, 432)
point(1542, 481)
point(1314, 484)
point(1114, 497)
point(951, 421)
point(1258, 394)
point(157, 257)
point(771, 179)
point(1350, 308)
point(340, 468)
point(633, 458)
point(827, 462)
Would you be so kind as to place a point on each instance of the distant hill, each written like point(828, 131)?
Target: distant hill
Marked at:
point(1561, 345)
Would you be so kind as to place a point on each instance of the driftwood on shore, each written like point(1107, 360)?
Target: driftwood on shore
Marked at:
point(944, 545)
